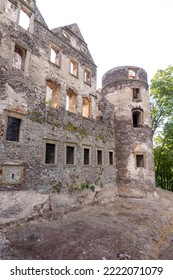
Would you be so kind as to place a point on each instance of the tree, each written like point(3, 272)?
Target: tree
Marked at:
point(162, 122)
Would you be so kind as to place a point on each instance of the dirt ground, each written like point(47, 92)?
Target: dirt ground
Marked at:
point(129, 228)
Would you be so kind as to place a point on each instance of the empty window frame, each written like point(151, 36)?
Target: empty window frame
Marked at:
point(11, 10)
point(87, 76)
point(66, 35)
point(86, 107)
point(111, 157)
point(137, 117)
point(55, 55)
point(19, 57)
point(86, 156)
point(136, 94)
point(99, 157)
point(140, 160)
point(70, 154)
point(74, 67)
point(132, 74)
point(50, 150)
point(71, 99)
point(52, 94)
point(13, 129)
point(25, 18)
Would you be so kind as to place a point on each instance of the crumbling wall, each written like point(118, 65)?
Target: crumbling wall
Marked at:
point(23, 97)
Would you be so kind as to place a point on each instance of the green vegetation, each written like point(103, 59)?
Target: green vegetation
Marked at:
point(162, 123)
point(57, 187)
point(87, 186)
point(70, 127)
point(37, 117)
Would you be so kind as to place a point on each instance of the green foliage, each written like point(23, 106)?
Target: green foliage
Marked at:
point(102, 138)
point(162, 98)
point(162, 121)
point(37, 117)
point(87, 186)
point(72, 128)
point(57, 187)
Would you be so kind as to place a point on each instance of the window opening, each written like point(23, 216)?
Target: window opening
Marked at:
point(11, 10)
point(87, 76)
point(86, 107)
point(86, 156)
point(110, 158)
point(132, 74)
point(66, 35)
point(55, 55)
point(74, 67)
point(19, 58)
point(13, 129)
point(71, 101)
point(136, 93)
point(139, 160)
point(69, 155)
point(137, 118)
point(50, 154)
point(52, 94)
point(99, 157)
point(25, 18)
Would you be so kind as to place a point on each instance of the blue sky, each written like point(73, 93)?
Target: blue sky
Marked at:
point(119, 32)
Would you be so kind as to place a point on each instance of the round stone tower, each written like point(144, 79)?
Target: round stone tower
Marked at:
point(126, 89)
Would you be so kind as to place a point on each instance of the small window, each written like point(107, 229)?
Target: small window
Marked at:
point(86, 156)
point(71, 100)
point(11, 10)
point(111, 160)
point(70, 150)
point(19, 57)
point(137, 116)
point(25, 18)
point(50, 153)
point(52, 94)
point(66, 35)
point(132, 74)
point(55, 55)
point(74, 67)
point(99, 157)
point(83, 49)
point(140, 161)
point(13, 129)
point(86, 107)
point(87, 76)
point(136, 93)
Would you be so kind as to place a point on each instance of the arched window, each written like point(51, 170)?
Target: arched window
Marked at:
point(137, 117)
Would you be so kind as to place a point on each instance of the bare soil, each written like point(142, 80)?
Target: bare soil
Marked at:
point(129, 228)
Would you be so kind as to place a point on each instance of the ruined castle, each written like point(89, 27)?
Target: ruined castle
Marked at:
point(56, 130)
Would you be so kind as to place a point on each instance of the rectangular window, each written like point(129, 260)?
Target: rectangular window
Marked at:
point(140, 161)
point(50, 153)
point(86, 156)
point(19, 57)
point(99, 157)
point(111, 160)
point(87, 76)
point(52, 94)
point(136, 93)
point(70, 151)
point(25, 18)
point(55, 55)
point(71, 99)
point(13, 129)
point(86, 107)
point(74, 67)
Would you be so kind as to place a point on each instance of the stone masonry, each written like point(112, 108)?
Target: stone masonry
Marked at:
point(57, 132)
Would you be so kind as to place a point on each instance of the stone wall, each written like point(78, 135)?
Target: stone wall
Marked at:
point(23, 96)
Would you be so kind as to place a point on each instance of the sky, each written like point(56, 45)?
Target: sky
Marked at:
point(118, 32)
